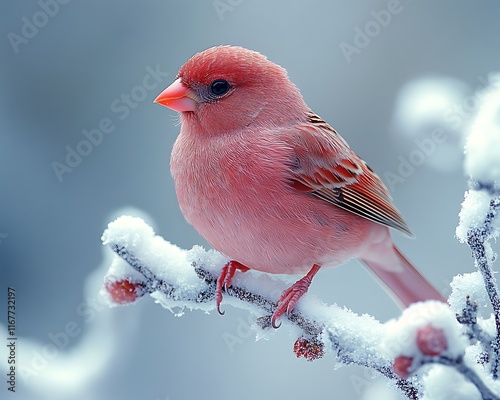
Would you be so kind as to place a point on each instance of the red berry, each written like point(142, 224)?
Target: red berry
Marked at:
point(309, 349)
point(401, 366)
point(431, 340)
point(123, 292)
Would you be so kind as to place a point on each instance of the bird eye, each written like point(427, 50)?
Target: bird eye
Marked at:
point(219, 87)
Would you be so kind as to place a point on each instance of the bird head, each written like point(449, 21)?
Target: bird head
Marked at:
point(229, 88)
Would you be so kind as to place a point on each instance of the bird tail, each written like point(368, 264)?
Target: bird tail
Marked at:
point(402, 280)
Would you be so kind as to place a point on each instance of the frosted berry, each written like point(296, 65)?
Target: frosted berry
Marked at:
point(124, 291)
point(431, 340)
point(309, 349)
point(402, 366)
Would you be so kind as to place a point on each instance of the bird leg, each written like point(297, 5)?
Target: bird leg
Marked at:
point(224, 280)
point(291, 296)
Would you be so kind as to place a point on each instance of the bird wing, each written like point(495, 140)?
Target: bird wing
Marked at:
point(324, 166)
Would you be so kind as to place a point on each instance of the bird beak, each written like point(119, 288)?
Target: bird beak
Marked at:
point(177, 97)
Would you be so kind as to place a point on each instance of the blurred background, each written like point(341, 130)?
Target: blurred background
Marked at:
point(398, 79)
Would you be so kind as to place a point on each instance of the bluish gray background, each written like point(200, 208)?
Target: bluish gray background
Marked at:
point(89, 53)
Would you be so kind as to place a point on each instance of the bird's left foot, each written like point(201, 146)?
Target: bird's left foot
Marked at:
point(292, 295)
point(224, 280)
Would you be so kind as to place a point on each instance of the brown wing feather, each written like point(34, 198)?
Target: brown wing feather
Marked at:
point(327, 168)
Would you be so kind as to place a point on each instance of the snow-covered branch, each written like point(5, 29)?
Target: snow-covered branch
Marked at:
point(477, 238)
point(426, 334)
point(479, 222)
point(179, 279)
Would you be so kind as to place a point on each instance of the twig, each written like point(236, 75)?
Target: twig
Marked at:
point(468, 317)
point(153, 283)
point(407, 388)
point(470, 374)
point(476, 239)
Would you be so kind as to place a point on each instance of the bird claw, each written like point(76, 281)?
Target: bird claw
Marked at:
point(292, 295)
point(285, 304)
point(224, 281)
point(273, 322)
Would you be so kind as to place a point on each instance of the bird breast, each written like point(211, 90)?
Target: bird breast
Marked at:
point(235, 191)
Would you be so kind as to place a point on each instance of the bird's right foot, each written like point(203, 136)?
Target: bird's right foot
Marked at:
point(224, 280)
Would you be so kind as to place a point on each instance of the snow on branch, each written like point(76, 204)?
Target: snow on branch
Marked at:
point(426, 334)
point(179, 279)
point(479, 222)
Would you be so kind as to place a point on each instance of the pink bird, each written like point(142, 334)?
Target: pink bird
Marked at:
point(271, 185)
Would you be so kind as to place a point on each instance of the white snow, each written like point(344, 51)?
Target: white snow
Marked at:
point(482, 151)
point(161, 257)
point(444, 383)
point(472, 355)
point(482, 161)
point(473, 213)
point(470, 284)
point(401, 334)
point(359, 336)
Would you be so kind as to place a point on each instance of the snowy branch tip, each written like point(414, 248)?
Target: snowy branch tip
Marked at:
point(482, 165)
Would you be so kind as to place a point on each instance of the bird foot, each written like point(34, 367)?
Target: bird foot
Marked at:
point(224, 280)
point(292, 295)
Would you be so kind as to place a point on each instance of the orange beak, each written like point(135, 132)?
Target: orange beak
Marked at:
point(177, 97)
